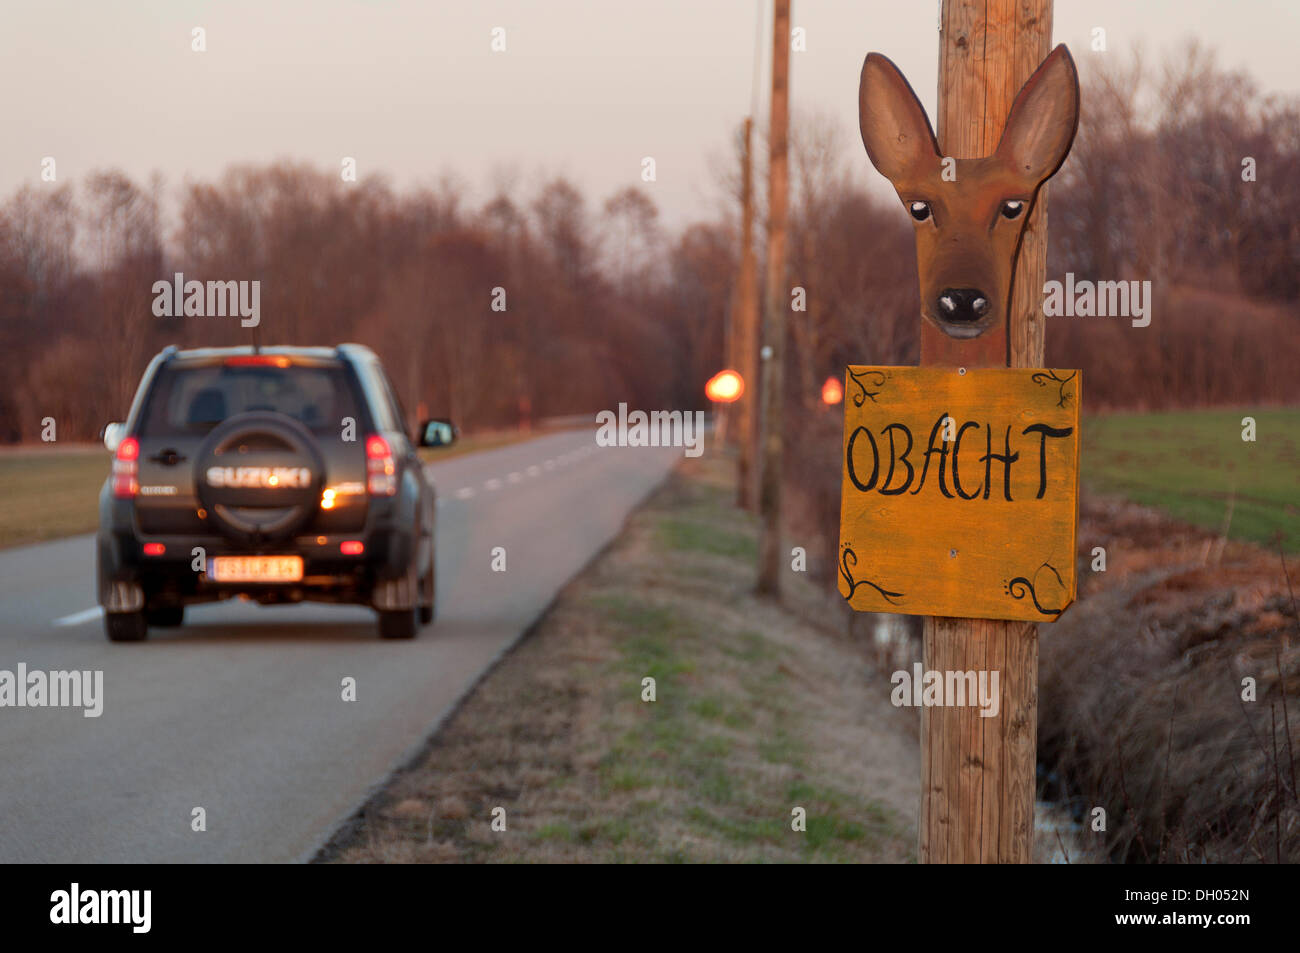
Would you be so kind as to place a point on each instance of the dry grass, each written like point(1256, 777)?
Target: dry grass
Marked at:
point(757, 713)
point(50, 491)
point(1141, 708)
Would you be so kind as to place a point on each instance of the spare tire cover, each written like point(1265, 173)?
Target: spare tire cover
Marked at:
point(259, 476)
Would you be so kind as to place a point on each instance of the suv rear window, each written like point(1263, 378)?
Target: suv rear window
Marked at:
point(193, 400)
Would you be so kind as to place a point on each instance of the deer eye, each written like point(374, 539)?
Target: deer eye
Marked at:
point(1012, 209)
point(920, 210)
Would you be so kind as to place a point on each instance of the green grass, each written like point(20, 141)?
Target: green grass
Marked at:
point(690, 536)
point(700, 737)
point(50, 493)
point(1190, 463)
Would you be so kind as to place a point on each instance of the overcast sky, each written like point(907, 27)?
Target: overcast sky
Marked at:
point(411, 87)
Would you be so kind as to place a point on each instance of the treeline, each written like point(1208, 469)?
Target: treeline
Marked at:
point(523, 308)
point(1186, 176)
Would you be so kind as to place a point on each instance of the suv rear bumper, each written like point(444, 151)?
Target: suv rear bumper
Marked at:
point(129, 578)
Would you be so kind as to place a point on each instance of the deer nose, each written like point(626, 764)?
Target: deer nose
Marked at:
point(963, 304)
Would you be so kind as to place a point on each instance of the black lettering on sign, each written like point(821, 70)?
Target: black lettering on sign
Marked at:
point(956, 449)
point(1007, 459)
point(893, 456)
point(875, 460)
point(942, 451)
point(1046, 432)
point(936, 446)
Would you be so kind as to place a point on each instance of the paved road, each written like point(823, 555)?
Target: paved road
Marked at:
point(240, 711)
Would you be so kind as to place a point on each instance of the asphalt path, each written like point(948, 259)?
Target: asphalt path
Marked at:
point(240, 712)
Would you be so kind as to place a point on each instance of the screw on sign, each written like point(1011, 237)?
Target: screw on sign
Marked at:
point(960, 476)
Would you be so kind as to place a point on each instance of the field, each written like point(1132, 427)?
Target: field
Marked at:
point(54, 491)
point(1195, 466)
point(50, 492)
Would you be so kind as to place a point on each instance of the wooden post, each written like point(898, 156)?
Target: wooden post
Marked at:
point(744, 328)
point(770, 562)
point(977, 774)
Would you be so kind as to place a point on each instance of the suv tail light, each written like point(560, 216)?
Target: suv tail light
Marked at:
point(381, 467)
point(257, 360)
point(126, 469)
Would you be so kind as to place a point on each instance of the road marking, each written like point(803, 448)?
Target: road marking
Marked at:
point(515, 477)
point(493, 484)
point(549, 464)
point(534, 470)
point(77, 618)
point(464, 493)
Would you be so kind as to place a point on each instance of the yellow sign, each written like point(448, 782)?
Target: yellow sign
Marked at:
point(960, 492)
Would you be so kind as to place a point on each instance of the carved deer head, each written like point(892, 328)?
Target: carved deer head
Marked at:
point(968, 228)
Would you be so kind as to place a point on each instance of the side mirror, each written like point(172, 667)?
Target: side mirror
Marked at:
point(437, 433)
point(112, 435)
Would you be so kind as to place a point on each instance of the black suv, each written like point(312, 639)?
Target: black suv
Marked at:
point(281, 474)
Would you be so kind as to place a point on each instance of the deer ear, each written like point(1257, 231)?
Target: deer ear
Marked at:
point(1043, 119)
point(895, 129)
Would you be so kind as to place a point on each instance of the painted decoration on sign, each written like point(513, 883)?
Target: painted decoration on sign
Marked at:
point(960, 491)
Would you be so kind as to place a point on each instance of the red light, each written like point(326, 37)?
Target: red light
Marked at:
point(154, 549)
point(352, 547)
point(257, 360)
point(381, 468)
point(126, 469)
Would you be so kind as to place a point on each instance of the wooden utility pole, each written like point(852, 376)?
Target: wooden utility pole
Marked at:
point(744, 327)
point(772, 355)
point(977, 774)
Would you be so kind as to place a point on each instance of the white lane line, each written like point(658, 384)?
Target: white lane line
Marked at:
point(77, 618)
point(549, 464)
point(493, 484)
point(515, 477)
point(534, 470)
point(464, 493)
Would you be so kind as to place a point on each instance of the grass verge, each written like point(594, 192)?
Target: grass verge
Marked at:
point(757, 712)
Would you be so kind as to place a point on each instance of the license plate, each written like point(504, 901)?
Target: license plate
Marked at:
point(255, 569)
